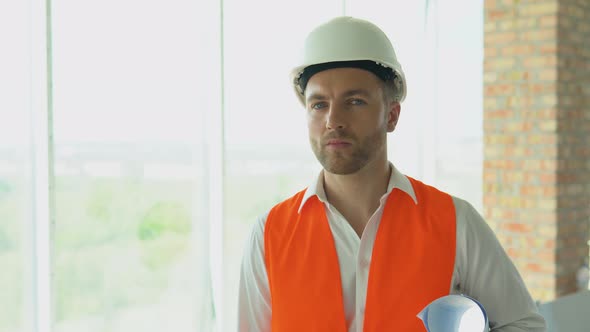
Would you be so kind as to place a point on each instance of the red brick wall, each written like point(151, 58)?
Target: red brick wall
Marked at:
point(536, 137)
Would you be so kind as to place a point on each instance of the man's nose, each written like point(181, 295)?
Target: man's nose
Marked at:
point(335, 118)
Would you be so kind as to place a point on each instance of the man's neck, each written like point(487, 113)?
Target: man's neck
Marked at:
point(357, 196)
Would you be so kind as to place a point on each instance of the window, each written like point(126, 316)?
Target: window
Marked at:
point(16, 230)
point(131, 192)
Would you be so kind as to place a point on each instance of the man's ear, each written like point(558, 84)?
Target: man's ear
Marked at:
point(393, 115)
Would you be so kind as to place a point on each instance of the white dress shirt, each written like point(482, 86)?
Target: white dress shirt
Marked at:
point(482, 269)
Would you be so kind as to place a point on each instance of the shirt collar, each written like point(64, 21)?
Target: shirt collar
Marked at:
point(396, 180)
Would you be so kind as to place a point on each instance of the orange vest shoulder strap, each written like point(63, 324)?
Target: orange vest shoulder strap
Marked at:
point(302, 268)
point(413, 258)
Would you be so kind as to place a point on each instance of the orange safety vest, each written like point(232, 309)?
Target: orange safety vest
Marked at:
point(412, 263)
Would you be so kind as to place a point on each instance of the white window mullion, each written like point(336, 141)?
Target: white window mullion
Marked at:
point(42, 163)
point(213, 96)
point(429, 156)
point(217, 163)
point(210, 205)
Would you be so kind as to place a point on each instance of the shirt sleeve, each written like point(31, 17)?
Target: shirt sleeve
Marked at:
point(254, 307)
point(484, 271)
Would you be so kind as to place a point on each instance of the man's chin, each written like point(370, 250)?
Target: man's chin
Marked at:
point(342, 168)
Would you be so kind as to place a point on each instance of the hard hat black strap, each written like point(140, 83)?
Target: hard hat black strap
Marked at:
point(384, 73)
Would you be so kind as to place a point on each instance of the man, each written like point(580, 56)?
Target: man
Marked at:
point(364, 247)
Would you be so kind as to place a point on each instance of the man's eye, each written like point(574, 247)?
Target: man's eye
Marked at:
point(356, 101)
point(319, 106)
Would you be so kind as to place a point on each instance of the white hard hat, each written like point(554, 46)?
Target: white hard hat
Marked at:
point(454, 313)
point(348, 39)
